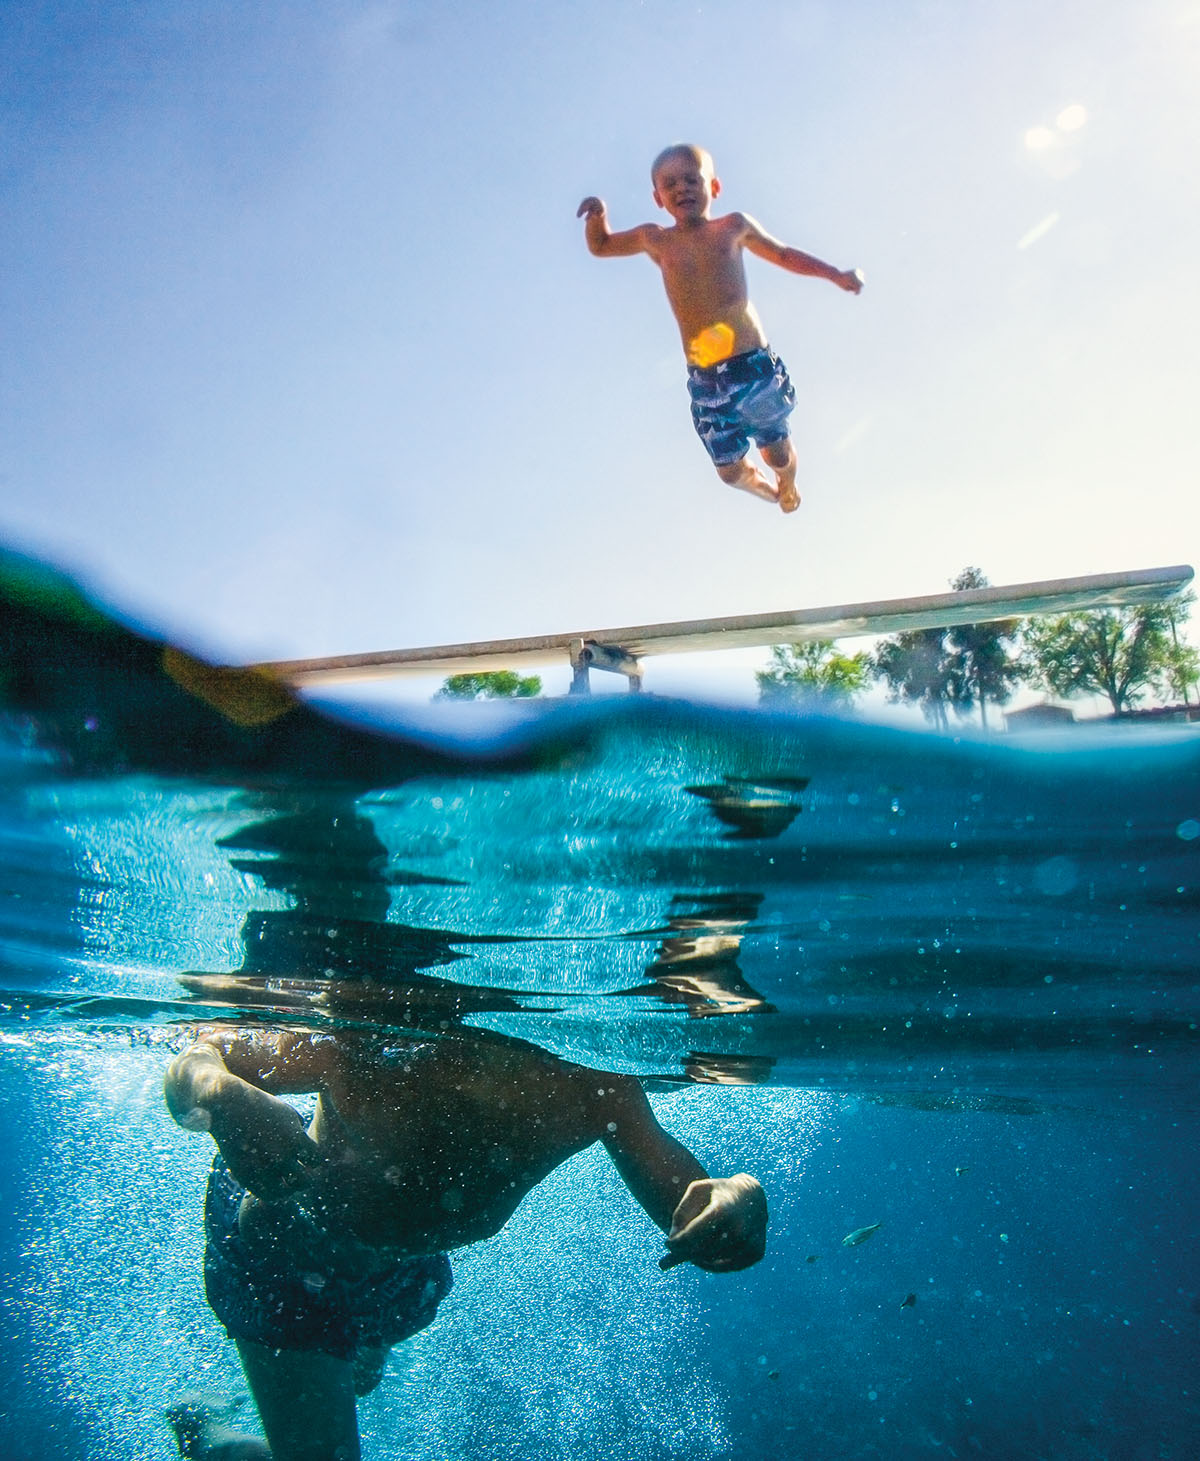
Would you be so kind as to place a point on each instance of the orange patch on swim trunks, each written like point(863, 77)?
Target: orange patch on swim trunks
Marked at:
point(712, 345)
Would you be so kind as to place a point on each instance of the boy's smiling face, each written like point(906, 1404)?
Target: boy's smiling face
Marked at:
point(684, 183)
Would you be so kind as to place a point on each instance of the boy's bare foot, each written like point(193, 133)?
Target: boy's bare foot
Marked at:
point(780, 456)
point(745, 474)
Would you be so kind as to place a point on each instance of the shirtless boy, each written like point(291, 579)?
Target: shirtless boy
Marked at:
point(326, 1247)
point(739, 387)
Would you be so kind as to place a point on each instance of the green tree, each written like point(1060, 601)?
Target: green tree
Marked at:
point(1183, 671)
point(956, 668)
point(915, 667)
point(982, 661)
point(1183, 661)
point(814, 669)
point(1122, 654)
point(490, 685)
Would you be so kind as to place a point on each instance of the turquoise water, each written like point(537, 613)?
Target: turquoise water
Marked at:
point(942, 986)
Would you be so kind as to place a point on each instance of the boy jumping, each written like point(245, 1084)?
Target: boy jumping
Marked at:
point(739, 387)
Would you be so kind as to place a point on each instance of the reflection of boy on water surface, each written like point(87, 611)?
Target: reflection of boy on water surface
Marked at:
point(327, 1247)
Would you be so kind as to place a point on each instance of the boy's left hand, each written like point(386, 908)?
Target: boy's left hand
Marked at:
point(720, 1224)
point(851, 280)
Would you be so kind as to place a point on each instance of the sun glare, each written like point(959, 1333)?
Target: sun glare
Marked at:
point(1042, 138)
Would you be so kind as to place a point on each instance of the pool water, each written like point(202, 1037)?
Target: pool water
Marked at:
point(942, 986)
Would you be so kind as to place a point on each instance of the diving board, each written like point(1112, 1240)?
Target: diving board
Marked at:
point(622, 650)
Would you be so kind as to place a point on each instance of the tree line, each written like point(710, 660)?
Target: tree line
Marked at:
point(1125, 655)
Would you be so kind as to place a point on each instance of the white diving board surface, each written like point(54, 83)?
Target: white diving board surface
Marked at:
point(623, 649)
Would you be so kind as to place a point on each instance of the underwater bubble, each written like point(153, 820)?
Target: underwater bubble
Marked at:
point(1188, 830)
point(1055, 876)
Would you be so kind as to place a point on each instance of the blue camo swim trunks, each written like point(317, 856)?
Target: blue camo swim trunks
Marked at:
point(292, 1295)
point(743, 398)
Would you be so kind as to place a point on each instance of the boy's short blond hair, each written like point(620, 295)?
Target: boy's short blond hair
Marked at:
point(699, 154)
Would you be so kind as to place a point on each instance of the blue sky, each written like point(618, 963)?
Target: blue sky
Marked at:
point(303, 352)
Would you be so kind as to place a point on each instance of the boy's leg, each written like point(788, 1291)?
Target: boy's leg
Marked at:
point(780, 456)
point(305, 1402)
point(720, 428)
point(744, 474)
point(369, 1363)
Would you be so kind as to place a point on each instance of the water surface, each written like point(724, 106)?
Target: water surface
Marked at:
point(943, 986)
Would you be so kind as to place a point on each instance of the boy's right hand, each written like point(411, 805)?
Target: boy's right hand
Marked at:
point(590, 208)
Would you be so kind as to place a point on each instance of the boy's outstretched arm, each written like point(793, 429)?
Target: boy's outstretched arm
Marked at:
point(759, 242)
point(717, 1223)
point(602, 242)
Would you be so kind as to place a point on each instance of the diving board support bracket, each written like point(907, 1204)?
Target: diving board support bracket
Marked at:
point(587, 655)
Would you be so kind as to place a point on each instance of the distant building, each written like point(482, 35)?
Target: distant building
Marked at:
point(1053, 717)
point(1039, 717)
point(1159, 713)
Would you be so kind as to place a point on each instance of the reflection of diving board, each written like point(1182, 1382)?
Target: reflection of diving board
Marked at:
point(622, 650)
